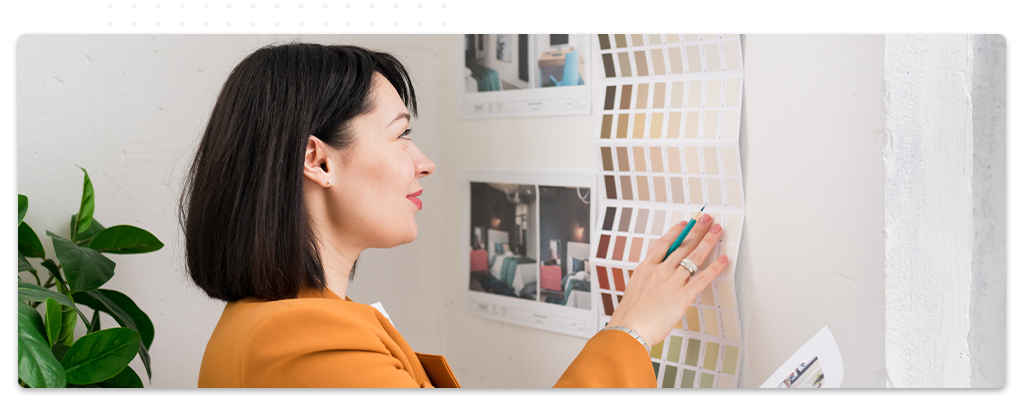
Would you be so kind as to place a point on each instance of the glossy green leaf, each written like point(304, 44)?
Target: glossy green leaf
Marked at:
point(32, 292)
point(85, 269)
point(28, 242)
point(122, 309)
point(52, 320)
point(67, 329)
point(22, 207)
point(59, 350)
point(100, 355)
point(126, 379)
point(36, 365)
point(23, 264)
point(83, 238)
point(55, 272)
point(125, 239)
point(96, 320)
point(85, 209)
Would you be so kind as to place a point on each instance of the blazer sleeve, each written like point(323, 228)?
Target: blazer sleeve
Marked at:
point(311, 347)
point(610, 359)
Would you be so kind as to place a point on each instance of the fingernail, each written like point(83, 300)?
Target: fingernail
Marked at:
point(682, 223)
point(723, 259)
point(705, 218)
point(716, 228)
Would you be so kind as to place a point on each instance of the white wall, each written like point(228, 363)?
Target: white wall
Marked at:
point(131, 108)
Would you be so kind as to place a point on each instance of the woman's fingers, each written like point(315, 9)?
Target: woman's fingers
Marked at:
point(657, 252)
point(706, 245)
point(660, 247)
point(704, 236)
point(702, 279)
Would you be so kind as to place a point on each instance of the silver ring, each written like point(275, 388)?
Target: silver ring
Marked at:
point(690, 266)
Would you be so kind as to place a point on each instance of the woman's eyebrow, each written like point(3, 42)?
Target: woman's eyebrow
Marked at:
point(400, 116)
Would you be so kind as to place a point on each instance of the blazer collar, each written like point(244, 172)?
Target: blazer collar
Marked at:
point(310, 292)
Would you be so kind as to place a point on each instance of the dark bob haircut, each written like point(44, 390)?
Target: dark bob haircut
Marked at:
point(247, 231)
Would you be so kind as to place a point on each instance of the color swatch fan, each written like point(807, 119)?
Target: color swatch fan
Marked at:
point(669, 144)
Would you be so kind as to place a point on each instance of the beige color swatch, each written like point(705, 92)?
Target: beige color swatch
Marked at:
point(639, 161)
point(731, 160)
point(656, 164)
point(692, 320)
point(623, 155)
point(656, 125)
point(641, 96)
point(678, 194)
point(640, 57)
point(674, 121)
point(729, 325)
point(732, 55)
point(710, 124)
point(638, 39)
point(678, 90)
point(639, 122)
point(711, 56)
point(730, 124)
point(673, 160)
point(695, 93)
point(732, 92)
point(696, 192)
point(732, 188)
point(692, 124)
point(692, 163)
point(659, 95)
point(675, 59)
point(710, 321)
point(713, 91)
point(659, 190)
point(624, 66)
point(724, 289)
point(643, 192)
point(693, 59)
point(658, 61)
point(714, 192)
point(710, 160)
point(731, 230)
point(623, 126)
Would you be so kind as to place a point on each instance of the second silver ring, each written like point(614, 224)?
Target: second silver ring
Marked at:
point(690, 266)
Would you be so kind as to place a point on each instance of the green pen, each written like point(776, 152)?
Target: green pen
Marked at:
point(682, 235)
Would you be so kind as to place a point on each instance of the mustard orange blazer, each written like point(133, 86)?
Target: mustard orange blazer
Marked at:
point(321, 340)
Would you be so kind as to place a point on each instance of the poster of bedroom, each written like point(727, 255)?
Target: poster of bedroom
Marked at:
point(531, 242)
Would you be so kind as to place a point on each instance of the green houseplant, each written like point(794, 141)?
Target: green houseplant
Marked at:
point(48, 353)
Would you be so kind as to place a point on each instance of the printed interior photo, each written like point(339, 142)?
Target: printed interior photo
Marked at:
point(807, 375)
point(503, 259)
point(560, 60)
point(497, 62)
point(565, 246)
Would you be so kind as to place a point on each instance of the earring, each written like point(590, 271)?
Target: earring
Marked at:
point(328, 182)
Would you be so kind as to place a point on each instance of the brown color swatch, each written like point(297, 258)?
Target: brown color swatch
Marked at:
point(627, 214)
point(627, 93)
point(606, 126)
point(620, 248)
point(620, 40)
point(602, 277)
point(609, 65)
point(609, 97)
point(641, 96)
point(640, 57)
point(609, 218)
point(609, 185)
point(603, 40)
point(622, 130)
point(623, 155)
point(602, 246)
point(635, 248)
point(627, 188)
point(606, 159)
point(627, 70)
point(620, 281)
point(607, 300)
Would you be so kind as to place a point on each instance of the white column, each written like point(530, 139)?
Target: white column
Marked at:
point(928, 209)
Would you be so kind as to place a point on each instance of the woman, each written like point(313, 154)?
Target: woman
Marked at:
point(306, 162)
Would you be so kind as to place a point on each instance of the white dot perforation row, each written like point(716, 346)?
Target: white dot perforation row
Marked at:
point(275, 6)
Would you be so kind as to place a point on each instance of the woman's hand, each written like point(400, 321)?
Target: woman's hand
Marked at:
point(659, 292)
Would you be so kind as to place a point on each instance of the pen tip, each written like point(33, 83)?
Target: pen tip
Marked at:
point(702, 207)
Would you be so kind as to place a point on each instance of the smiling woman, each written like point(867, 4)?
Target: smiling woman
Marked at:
point(306, 162)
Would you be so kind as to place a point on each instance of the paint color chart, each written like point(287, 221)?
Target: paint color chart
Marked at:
point(669, 144)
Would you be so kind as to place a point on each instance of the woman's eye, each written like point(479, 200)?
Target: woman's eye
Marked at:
point(405, 134)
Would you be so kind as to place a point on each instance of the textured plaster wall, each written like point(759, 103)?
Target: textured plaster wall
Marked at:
point(928, 210)
point(987, 338)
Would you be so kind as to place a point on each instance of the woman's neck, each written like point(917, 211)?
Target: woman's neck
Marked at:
point(337, 263)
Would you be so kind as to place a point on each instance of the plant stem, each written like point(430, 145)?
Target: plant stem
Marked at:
point(50, 282)
point(36, 275)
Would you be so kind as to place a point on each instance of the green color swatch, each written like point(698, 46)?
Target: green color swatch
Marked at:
point(669, 380)
point(692, 351)
point(675, 345)
point(688, 376)
point(731, 355)
point(656, 350)
point(707, 380)
point(710, 356)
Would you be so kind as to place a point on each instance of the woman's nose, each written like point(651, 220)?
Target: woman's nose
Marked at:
point(424, 166)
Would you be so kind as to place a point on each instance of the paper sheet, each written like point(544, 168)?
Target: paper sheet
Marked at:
point(668, 143)
point(817, 364)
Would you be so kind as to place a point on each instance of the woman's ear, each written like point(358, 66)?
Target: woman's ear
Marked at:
point(316, 165)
